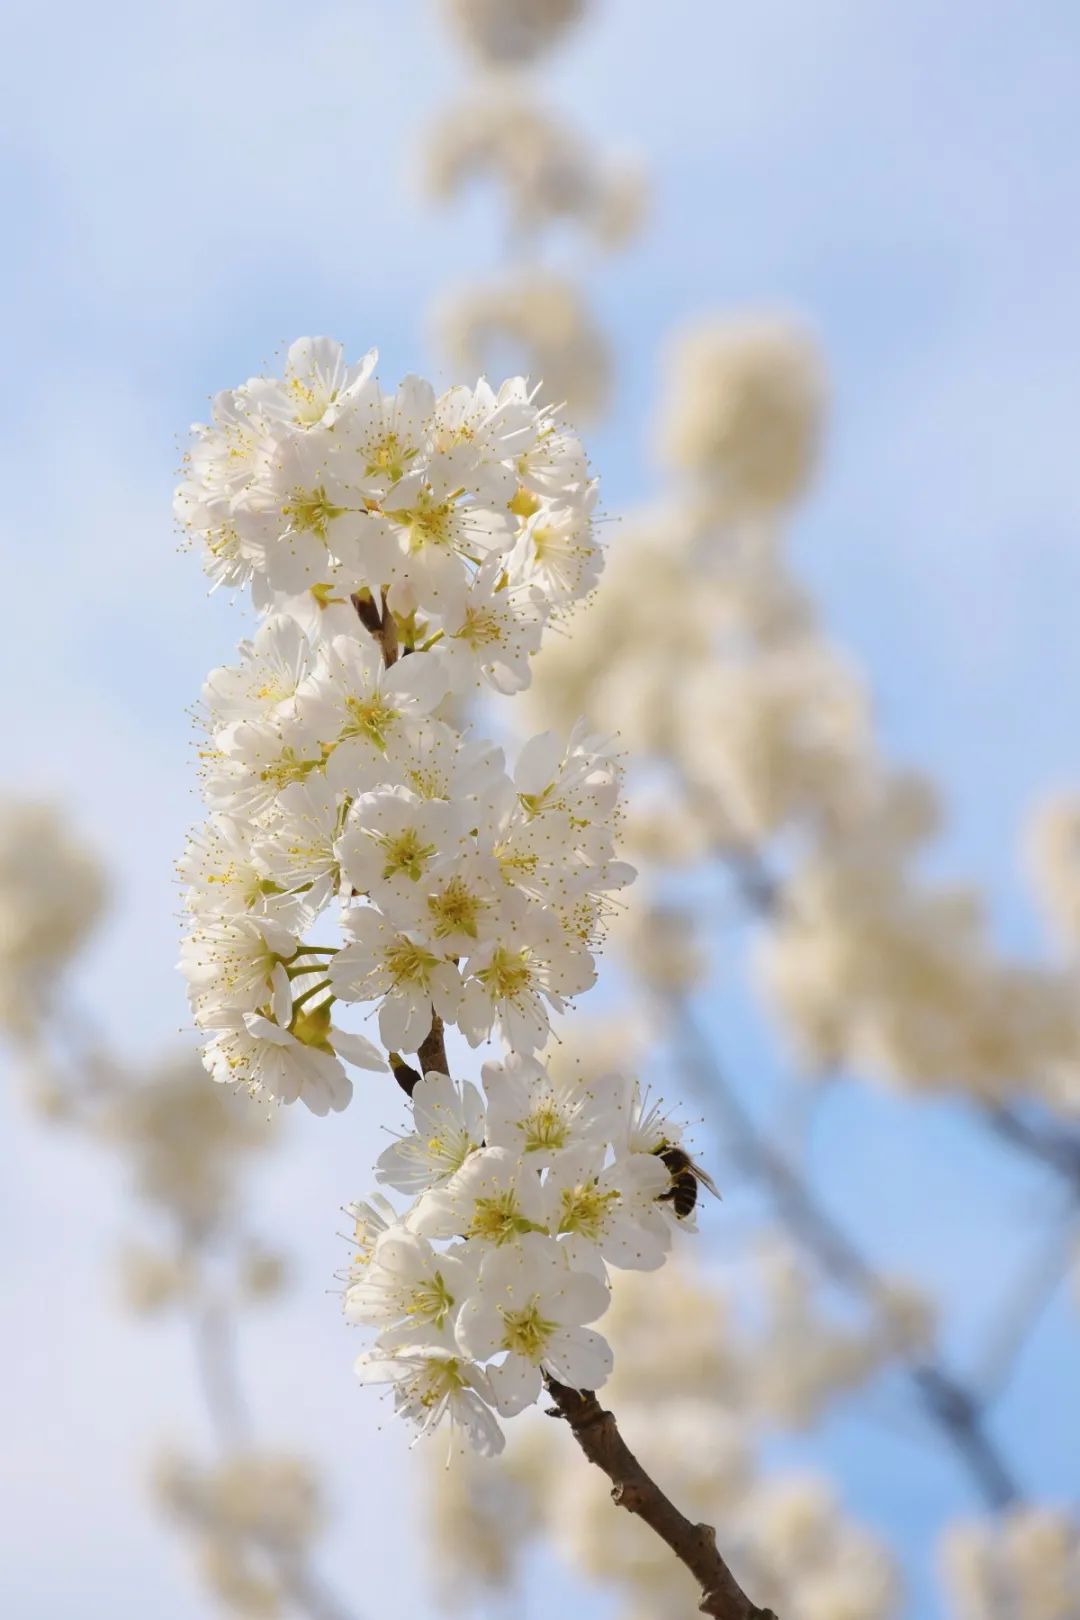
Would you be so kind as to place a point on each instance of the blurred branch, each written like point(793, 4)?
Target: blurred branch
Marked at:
point(220, 1384)
point(1054, 1146)
point(694, 1545)
point(1006, 1339)
point(957, 1413)
point(305, 1591)
point(217, 1372)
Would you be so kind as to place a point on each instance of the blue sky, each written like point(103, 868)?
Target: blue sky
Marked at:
point(188, 188)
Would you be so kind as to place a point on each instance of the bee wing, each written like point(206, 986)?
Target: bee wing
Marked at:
point(706, 1181)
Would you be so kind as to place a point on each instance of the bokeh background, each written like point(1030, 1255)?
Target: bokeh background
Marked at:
point(187, 189)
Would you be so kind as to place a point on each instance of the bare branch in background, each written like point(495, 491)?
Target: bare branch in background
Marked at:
point(956, 1411)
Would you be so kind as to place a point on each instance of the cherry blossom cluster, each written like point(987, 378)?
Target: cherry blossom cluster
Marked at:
point(523, 1195)
point(405, 550)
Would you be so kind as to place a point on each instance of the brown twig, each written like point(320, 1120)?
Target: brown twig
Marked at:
point(597, 1433)
point(381, 626)
point(694, 1545)
point(388, 638)
point(432, 1049)
point(406, 1076)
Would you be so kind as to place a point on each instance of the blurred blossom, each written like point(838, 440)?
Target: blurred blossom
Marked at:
point(663, 831)
point(592, 1046)
point(681, 593)
point(897, 979)
point(909, 1316)
point(660, 944)
point(262, 1273)
point(52, 894)
point(184, 1139)
point(743, 410)
point(801, 1359)
point(1026, 1568)
point(248, 1517)
point(535, 322)
point(501, 32)
point(183, 1143)
point(884, 816)
point(615, 665)
point(1053, 859)
point(813, 1563)
point(687, 1327)
point(772, 739)
point(481, 1515)
point(151, 1280)
point(547, 170)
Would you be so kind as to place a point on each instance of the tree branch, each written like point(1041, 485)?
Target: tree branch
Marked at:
point(694, 1545)
point(1055, 1147)
point(954, 1409)
point(432, 1049)
point(219, 1382)
point(380, 626)
point(597, 1433)
point(216, 1369)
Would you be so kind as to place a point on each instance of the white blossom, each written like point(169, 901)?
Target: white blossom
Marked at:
point(494, 1198)
point(531, 1112)
point(410, 1291)
point(287, 1063)
point(263, 685)
point(237, 964)
point(613, 1210)
point(431, 1384)
point(530, 1304)
point(300, 854)
point(394, 842)
point(449, 1124)
point(382, 964)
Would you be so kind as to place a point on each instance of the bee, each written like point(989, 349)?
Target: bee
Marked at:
point(686, 1176)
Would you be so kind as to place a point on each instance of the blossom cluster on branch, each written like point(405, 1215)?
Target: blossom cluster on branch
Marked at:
point(536, 1187)
point(406, 549)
